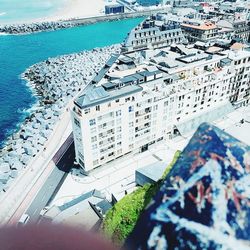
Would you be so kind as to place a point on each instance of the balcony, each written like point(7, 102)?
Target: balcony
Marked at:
point(77, 111)
point(142, 112)
point(141, 128)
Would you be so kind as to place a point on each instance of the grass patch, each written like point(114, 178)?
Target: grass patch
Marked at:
point(122, 217)
point(171, 164)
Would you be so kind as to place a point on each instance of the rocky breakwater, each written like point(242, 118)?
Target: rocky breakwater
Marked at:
point(34, 27)
point(55, 82)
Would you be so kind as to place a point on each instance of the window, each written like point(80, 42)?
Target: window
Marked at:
point(81, 163)
point(93, 139)
point(97, 108)
point(86, 111)
point(80, 155)
point(77, 123)
point(110, 154)
point(155, 107)
point(92, 122)
point(118, 113)
point(130, 109)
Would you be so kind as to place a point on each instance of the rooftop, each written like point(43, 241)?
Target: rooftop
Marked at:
point(200, 26)
point(97, 95)
point(130, 73)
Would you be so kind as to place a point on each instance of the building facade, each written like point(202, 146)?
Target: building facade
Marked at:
point(198, 30)
point(235, 29)
point(143, 97)
point(114, 9)
point(149, 2)
point(153, 33)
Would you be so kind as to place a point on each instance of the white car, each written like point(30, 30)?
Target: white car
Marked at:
point(44, 211)
point(23, 220)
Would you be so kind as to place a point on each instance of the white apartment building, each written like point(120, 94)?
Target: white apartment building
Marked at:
point(153, 33)
point(140, 98)
point(199, 30)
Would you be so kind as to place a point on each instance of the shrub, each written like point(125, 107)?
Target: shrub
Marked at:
point(122, 217)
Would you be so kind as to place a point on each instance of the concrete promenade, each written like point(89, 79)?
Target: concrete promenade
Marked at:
point(114, 17)
point(27, 185)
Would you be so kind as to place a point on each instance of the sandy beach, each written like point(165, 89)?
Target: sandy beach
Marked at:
point(69, 9)
point(78, 8)
point(82, 8)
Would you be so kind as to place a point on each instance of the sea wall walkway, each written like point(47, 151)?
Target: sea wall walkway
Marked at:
point(61, 24)
point(144, 13)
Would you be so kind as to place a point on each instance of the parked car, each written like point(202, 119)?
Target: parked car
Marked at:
point(23, 220)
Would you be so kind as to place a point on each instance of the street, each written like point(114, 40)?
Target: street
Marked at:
point(63, 160)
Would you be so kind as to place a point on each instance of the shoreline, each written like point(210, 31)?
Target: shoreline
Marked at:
point(54, 82)
point(46, 25)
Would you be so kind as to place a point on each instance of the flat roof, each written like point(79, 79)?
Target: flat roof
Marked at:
point(205, 26)
point(153, 171)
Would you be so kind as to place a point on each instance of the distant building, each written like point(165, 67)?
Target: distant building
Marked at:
point(149, 2)
point(90, 207)
point(197, 30)
point(235, 29)
point(128, 2)
point(153, 33)
point(178, 3)
point(114, 9)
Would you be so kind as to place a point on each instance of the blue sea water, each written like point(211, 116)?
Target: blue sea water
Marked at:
point(12, 11)
point(19, 52)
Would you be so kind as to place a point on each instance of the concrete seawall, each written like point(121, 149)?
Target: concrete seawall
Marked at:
point(62, 24)
point(89, 20)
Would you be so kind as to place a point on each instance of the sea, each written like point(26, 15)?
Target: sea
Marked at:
point(12, 11)
point(17, 52)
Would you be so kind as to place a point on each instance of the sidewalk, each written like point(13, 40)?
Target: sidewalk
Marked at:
point(23, 190)
point(113, 177)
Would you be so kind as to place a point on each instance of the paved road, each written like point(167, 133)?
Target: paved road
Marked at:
point(63, 160)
